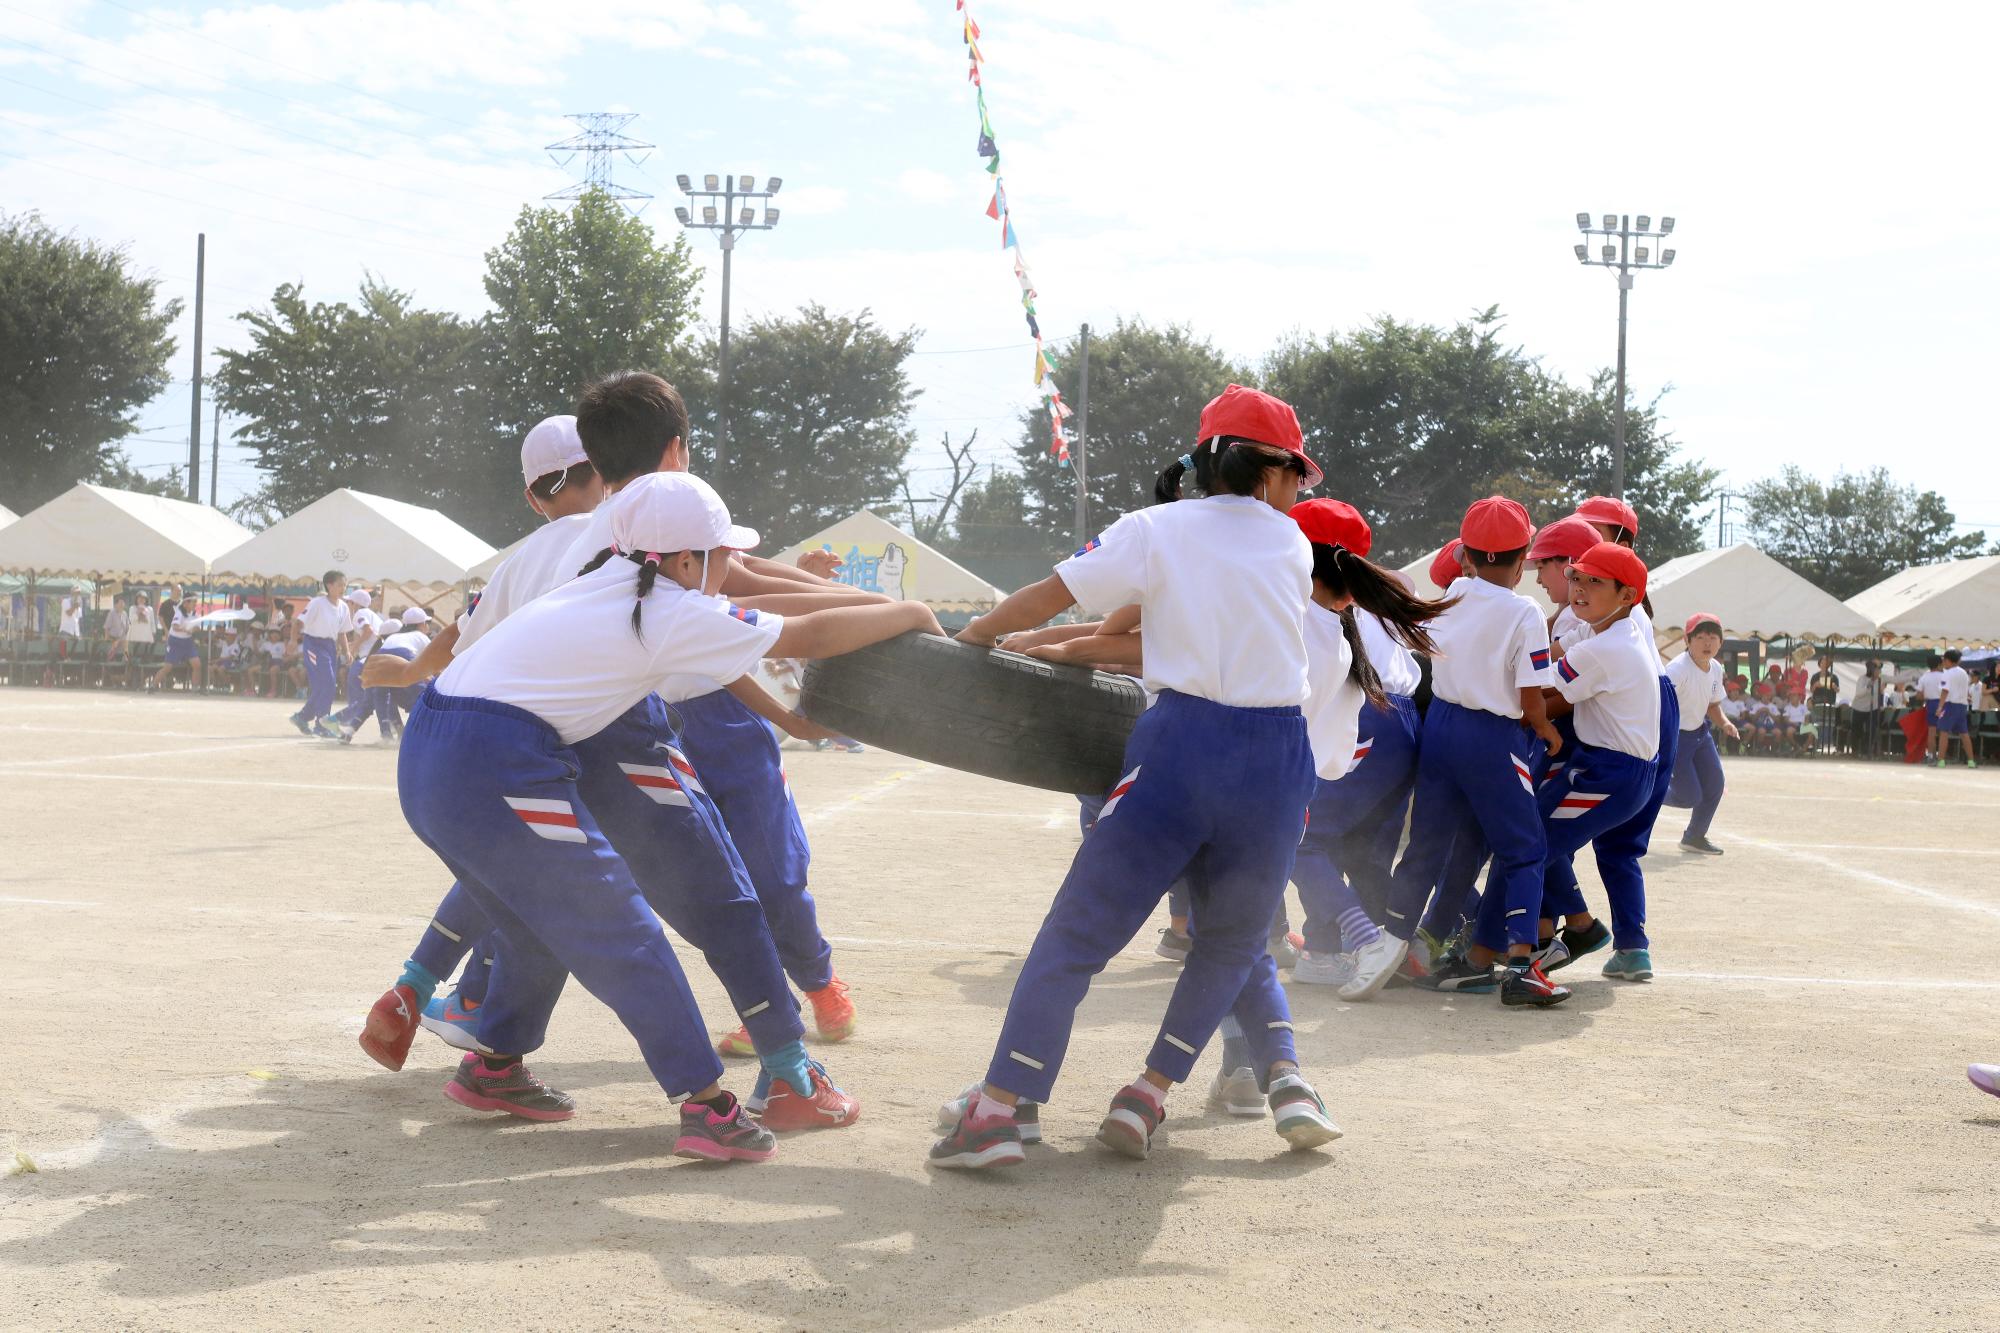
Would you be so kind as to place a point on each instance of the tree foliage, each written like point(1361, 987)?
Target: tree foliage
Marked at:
point(1852, 532)
point(818, 419)
point(379, 396)
point(83, 345)
point(993, 536)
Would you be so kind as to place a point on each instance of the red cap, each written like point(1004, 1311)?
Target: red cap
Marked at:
point(1566, 538)
point(1250, 414)
point(1700, 618)
point(1609, 560)
point(1604, 509)
point(1333, 523)
point(1444, 565)
point(1496, 524)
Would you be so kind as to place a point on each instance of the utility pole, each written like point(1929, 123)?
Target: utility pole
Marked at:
point(1625, 257)
point(214, 454)
point(720, 196)
point(1081, 461)
point(194, 397)
point(1722, 517)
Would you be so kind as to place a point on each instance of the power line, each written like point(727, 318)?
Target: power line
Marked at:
point(968, 351)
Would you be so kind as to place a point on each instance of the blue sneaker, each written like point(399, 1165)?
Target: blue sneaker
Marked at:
point(453, 1023)
point(1630, 965)
point(299, 720)
point(325, 730)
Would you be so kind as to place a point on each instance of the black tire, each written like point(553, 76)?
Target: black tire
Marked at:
point(984, 711)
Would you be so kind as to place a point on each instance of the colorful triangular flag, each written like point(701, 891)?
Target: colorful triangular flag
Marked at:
point(987, 148)
point(1007, 241)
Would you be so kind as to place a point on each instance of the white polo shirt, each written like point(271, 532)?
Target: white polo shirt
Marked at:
point(1931, 685)
point(1610, 679)
point(72, 617)
point(370, 626)
point(413, 639)
point(1395, 665)
point(571, 658)
point(1224, 581)
point(183, 624)
point(1492, 645)
point(1957, 685)
point(1567, 628)
point(539, 565)
point(1696, 689)
point(1333, 712)
point(325, 618)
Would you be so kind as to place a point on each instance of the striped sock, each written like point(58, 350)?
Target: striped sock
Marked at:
point(1356, 930)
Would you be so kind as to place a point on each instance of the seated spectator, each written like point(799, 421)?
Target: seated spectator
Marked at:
point(1774, 680)
point(1803, 725)
point(116, 624)
point(1736, 707)
point(229, 661)
point(1796, 677)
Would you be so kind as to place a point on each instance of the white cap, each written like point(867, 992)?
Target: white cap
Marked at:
point(415, 616)
point(673, 511)
point(359, 596)
point(552, 446)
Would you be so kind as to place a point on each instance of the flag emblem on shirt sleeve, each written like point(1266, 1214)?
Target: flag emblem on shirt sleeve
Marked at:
point(1539, 659)
point(554, 820)
point(1565, 670)
point(1090, 546)
point(744, 614)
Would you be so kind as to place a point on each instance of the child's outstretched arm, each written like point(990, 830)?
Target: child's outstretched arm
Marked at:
point(759, 701)
point(800, 599)
point(843, 629)
point(1123, 651)
point(1033, 605)
point(386, 671)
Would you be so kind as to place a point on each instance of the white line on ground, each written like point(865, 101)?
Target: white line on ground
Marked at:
point(1871, 847)
point(46, 902)
point(1882, 983)
point(1870, 877)
point(127, 732)
point(171, 781)
point(19, 765)
point(1927, 802)
point(873, 792)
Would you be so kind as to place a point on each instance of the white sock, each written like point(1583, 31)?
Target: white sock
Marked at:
point(989, 1106)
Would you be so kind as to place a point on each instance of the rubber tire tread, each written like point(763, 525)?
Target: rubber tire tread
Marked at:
point(985, 711)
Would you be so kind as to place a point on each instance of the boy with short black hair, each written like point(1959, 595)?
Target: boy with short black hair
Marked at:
point(323, 627)
point(1954, 709)
point(1697, 679)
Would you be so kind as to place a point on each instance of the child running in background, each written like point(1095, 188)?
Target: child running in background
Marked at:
point(1954, 707)
point(325, 625)
point(490, 783)
point(1704, 704)
point(1479, 752)
point(1219, 772)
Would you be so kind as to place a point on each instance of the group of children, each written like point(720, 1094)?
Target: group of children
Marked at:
point(591, 761)
point(1946, 688)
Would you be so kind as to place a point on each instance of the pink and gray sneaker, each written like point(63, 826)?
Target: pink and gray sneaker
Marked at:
point(512, 1089)
point(723, 1137)
point(1128, 1128)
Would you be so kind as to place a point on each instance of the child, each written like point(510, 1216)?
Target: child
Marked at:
point(1478, 754)
point(368, 628)
point(1554, 547)
point(1798, 721)
point(1610, 681)
point(1218, 775)
point(181, 645)
point(1954, 704)
point(324, 626)
point(1736, 712)
point(405, 642)
point(229, 660)
point(1704, 711)
point(491, 783)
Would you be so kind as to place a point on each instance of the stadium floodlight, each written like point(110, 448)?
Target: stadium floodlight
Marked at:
point(1645, 223)
point(1582, 253)
point(711, 182)
point(1666, 226)
point(1623, 256)
point(770, 217)
point(1611, 222)
point(772, 187)
point(681, 214)
point(1610, 253)
point(1666, 258)
point(708, 215)
point(682, 181)
point(1640, 254)
point(1583, 222)
point(746, 185)
point(749, 215)
point(728, 206)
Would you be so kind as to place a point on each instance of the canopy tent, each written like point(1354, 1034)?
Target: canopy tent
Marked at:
point(1418, 572)
point(1754, 595)
point(881, 557)
point(96, 532)
point(1958, 600)
point(369, 538)
point(8, 516)
point(484, 569)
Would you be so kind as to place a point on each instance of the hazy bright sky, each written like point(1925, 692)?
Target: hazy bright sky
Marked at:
point(1248, 168)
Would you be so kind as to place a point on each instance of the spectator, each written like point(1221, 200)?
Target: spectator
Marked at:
point(229, 660)
point(1774, 680)
point(138, 637)
point(1736, 708)
point(1795, 681)
point(1824, 697)
point(69, 629)
point(116, 624)
point(1867, 707)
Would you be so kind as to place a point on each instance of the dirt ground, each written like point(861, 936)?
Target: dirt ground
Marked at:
point(197, 905)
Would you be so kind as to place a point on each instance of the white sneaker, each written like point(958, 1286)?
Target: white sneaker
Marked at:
point(1322, 969)
point(1552, 955)
point(1236, 1091)
point(1374, 964)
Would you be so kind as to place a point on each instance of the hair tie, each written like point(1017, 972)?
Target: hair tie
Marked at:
point(652, 557)
point(1187, 461)
point(1339, 553)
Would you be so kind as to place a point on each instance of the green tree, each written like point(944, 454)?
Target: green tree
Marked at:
point(818, 419)
point(120, 475)
point(577, 293)
point(1147, 388)
point(993, 536)
point(83, 345)
point(380, 396)
point(1852, 532)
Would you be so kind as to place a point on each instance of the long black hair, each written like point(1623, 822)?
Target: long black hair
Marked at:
point(1377, 591)
point(649, 570)
point(1223, 466)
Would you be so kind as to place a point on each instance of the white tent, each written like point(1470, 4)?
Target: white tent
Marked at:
point(1959, 600)
point(881, 557)
point(484, 569)
point(1753, 594)
point(367, 537)
point(1418, 572)
point(95, 532)
point(7, 516)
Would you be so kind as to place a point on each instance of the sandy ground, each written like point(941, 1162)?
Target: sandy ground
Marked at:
point(196, 906)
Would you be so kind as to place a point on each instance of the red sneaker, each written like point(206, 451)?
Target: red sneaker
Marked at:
point(737, 1045)
point(823, 1107)
point(833, 1012)
point(391, 1027)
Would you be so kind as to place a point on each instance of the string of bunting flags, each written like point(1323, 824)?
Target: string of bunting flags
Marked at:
point(1045, 361)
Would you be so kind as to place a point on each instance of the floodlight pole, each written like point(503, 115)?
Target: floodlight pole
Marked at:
point(1081, 461)
point(1620, 226)
point(1618, 420)
point(728, 193)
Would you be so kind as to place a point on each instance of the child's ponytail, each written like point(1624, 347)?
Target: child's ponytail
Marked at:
point(649, 571)
point(1379, 592)
point(1360, 670)
point(1168, 488)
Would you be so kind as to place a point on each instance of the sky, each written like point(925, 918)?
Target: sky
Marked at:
point(1251, 169)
